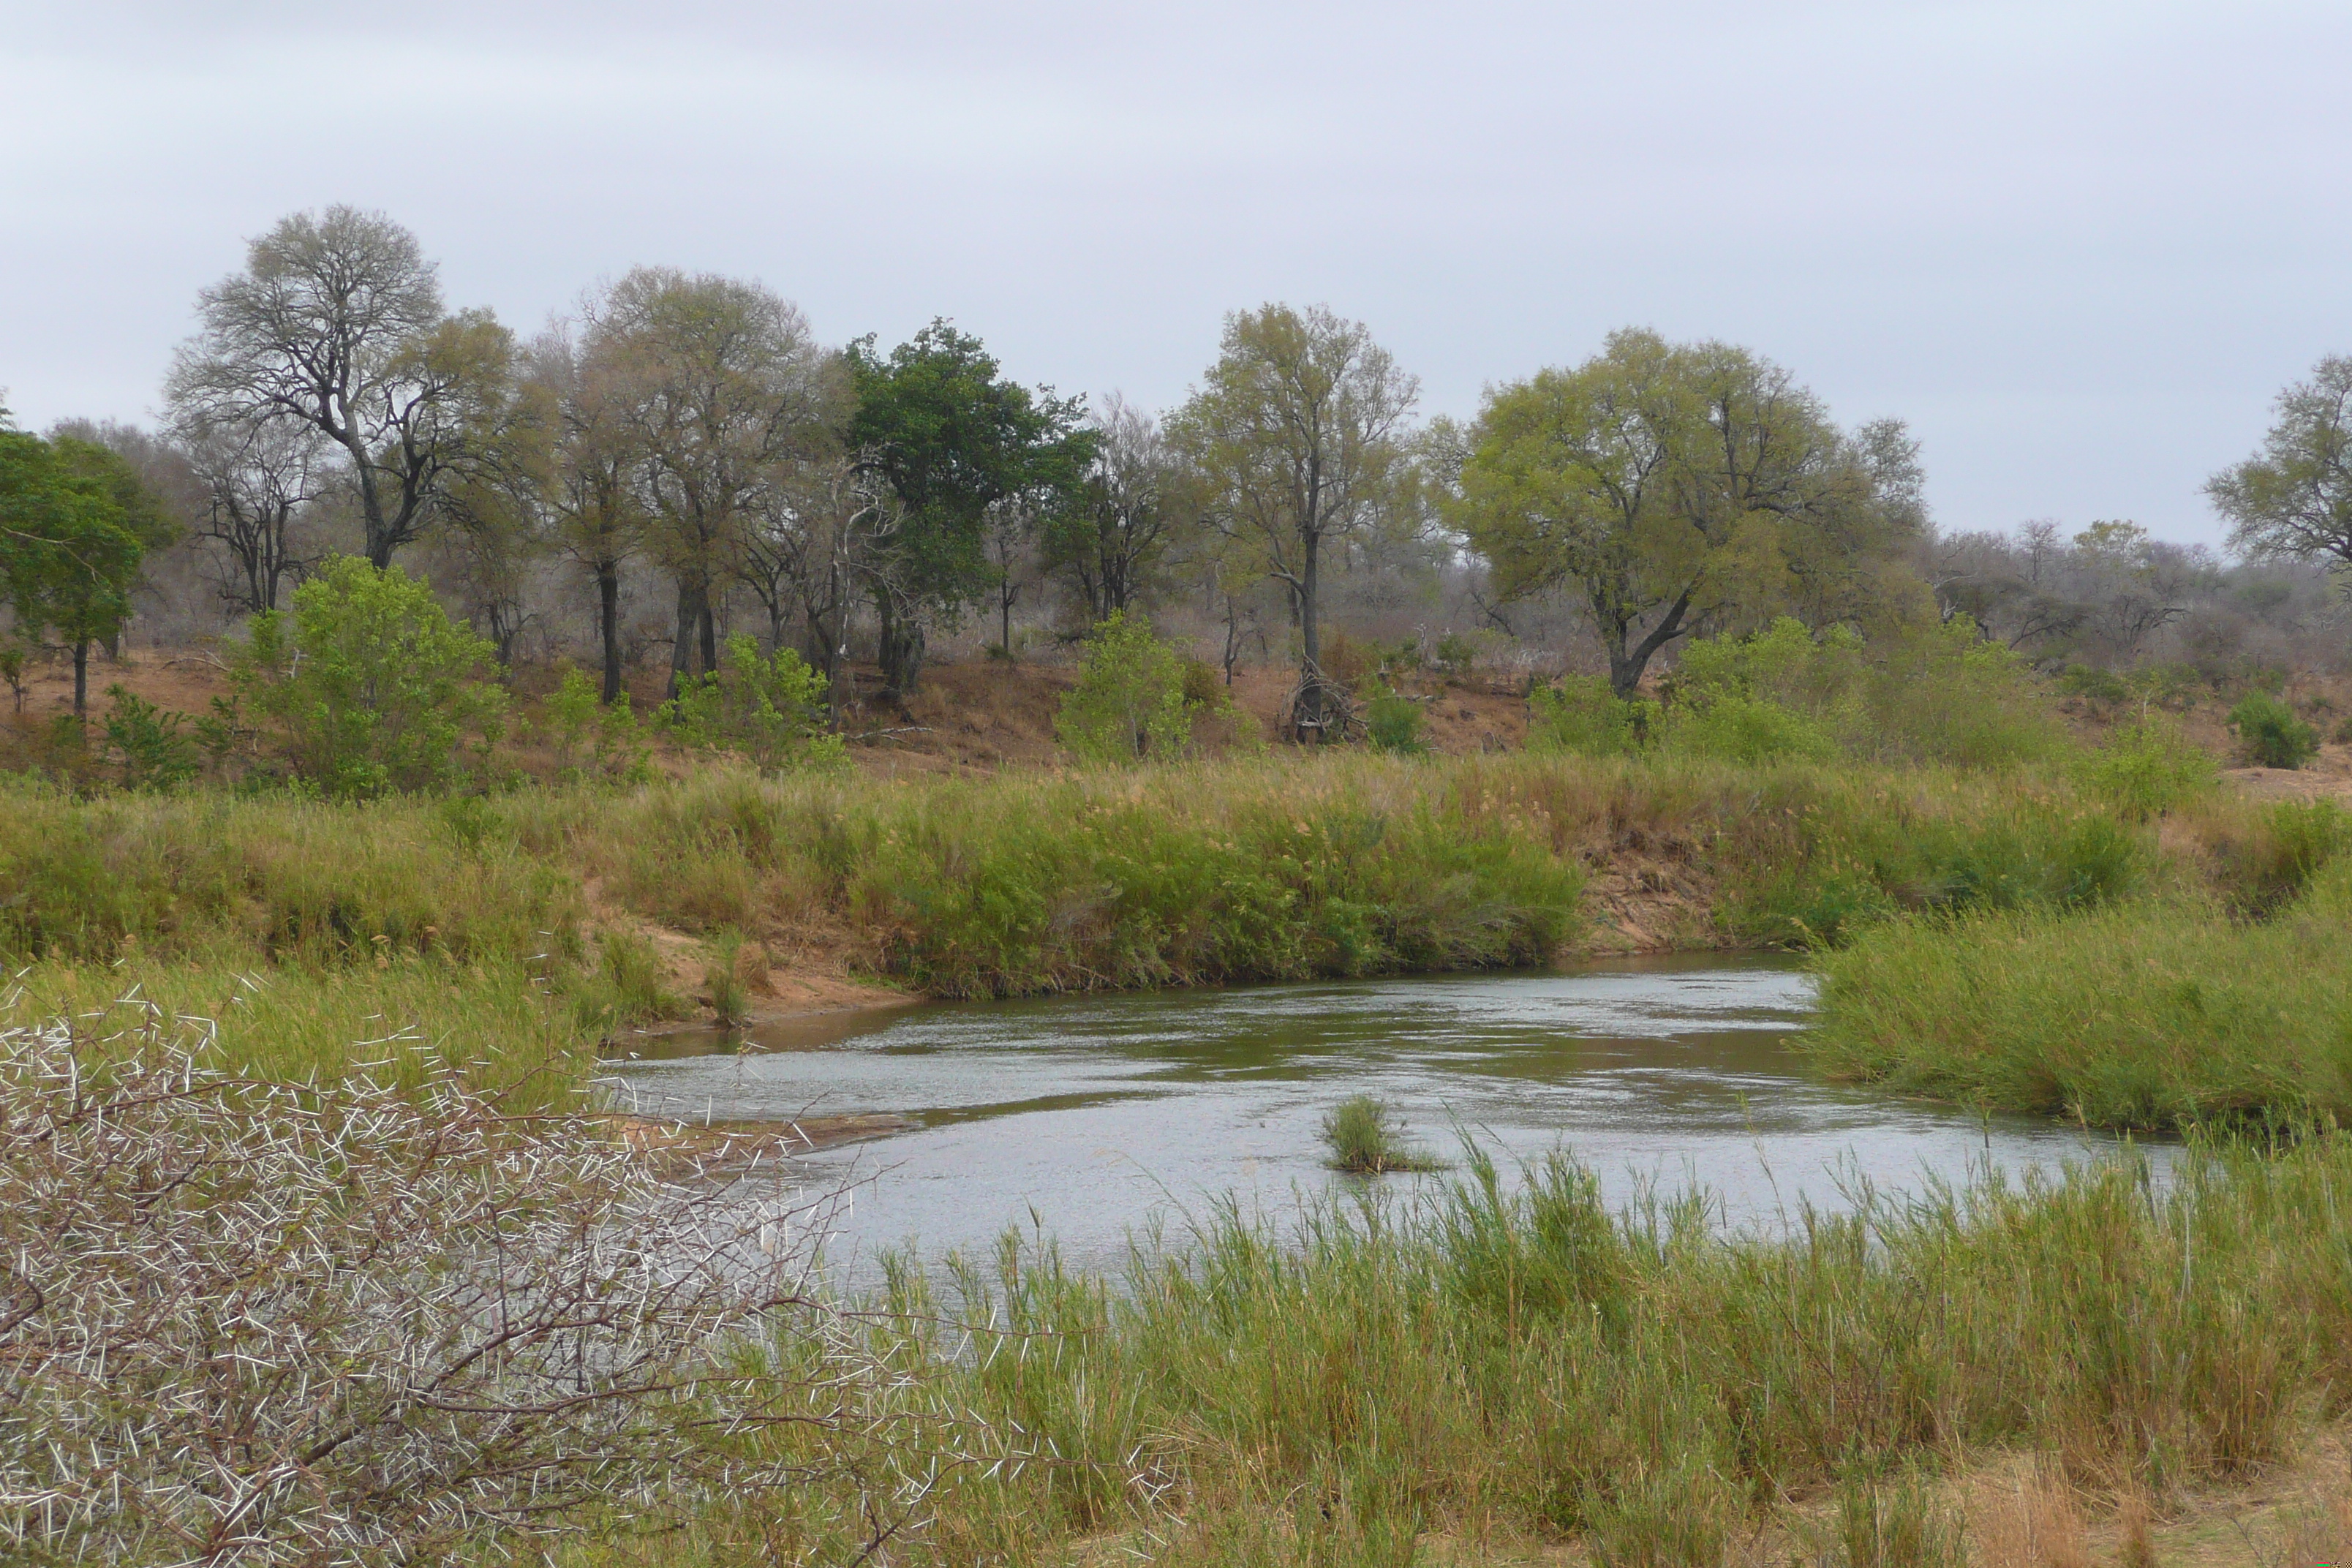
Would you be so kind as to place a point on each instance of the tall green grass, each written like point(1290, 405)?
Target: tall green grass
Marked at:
point(2162, 1014)
point(1532, 1363)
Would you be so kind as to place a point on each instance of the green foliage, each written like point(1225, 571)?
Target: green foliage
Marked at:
point(1934, 693)
point(12, 671)
point(1366, 1135)
point(1581, 716)
point(371, 683)
point(2270, 734)
point(1454, 653)
point(593, 739)
point(147, 743)
point(1134, 697)
point(770, 709)
point(1393, 722)
point(2096, 685)
point(74, 526)
point(722, 976)
point(2151, 768)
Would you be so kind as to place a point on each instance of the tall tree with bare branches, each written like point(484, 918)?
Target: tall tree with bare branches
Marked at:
point(336, 323)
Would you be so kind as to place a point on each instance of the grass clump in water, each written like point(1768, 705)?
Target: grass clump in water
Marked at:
point(1367, 1136)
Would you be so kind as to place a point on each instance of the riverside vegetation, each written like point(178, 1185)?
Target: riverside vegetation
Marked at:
point(2002, 916)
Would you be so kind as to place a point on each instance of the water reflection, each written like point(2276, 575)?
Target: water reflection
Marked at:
point(1095, 1115)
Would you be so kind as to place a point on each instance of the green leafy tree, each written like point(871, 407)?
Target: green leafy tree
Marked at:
point(371, 681)
point(1678, 487)
point(2294, 499)
point(1296, 439)
point(962, 448)
point(1130, 701)
point(770, 709)
point(75, 524)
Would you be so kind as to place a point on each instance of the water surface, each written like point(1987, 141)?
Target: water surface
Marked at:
point(1094, 1117)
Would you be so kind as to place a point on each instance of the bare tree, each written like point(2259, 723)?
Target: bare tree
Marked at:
point(595, 489)
point(336, 323)
point(1297, 434)
point(258, 477)
point(1113, 545)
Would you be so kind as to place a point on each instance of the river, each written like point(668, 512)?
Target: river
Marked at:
point(1093, 1117)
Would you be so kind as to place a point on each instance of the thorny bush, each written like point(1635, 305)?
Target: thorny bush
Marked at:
point(262, 1323)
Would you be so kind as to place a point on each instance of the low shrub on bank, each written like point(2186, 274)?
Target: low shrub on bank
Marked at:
point(2161, 1014)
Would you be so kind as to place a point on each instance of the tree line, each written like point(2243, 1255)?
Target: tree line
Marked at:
point(691, 431)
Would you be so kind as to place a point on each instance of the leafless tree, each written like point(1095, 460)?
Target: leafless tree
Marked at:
point(258, 477)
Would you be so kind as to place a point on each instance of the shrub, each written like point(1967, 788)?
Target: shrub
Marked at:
point(152, 752)
point(2151, 768)
point(2270, 734)
point(770, 709)
point(626, 985)
point(371, 681)
point(281, 1324)
point(722, 976)
point(1393, 722)
point(1580, 715)
point(2100, 686)
point(591, 739)
point(1131, 700)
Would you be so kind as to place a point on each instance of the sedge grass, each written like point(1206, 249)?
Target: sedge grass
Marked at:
point(1528, 1363)
point(2163, 1014)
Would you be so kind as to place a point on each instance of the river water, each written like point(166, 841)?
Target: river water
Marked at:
point(1095, 1118)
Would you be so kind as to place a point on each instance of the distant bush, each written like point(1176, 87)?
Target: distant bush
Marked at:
point(2270, 734)
point(1136, 698)
point(147, 742)
point(371, 681)
point(591, 738)
point(1393, 722)
point(770, 709)
point(1936, 693)
point(2151, 768)
point(2088, 681)
point(1581, 716)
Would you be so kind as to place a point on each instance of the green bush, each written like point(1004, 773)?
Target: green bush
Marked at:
point(2150, 768)
point(592, 739)
point(147, 742)
point(2088, 681)
point(1579, 715)
point(1393, 722)
point(371, 682)
point(769, 709)
point(2270, 734)
point(1131, 701)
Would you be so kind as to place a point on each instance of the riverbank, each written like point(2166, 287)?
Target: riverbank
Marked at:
point(1497, 1378)
point(511, 933)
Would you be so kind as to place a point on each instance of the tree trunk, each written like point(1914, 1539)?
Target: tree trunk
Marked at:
point(901, 649)
point(608, 625)
point(1313, 712)
point(681, 648)
point(81, 677)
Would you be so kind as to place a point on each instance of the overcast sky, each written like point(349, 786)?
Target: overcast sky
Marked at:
point(2079, 246)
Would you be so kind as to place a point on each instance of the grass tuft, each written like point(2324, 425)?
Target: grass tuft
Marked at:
point(1366, 1135)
